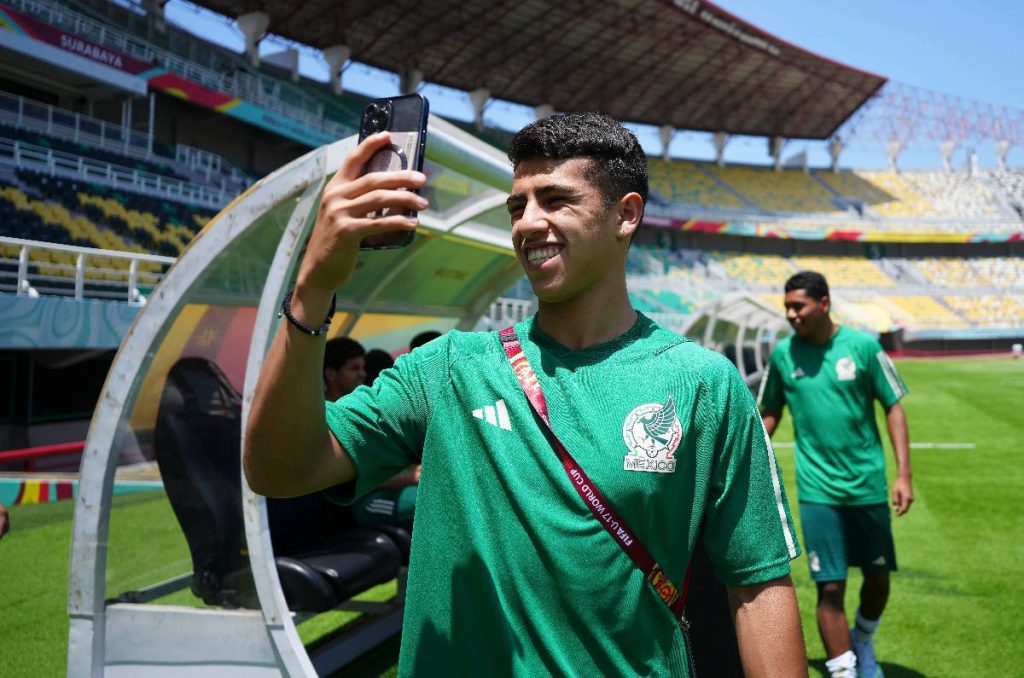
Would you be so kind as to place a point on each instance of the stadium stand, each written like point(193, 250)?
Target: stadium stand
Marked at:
point(854, 186)
point(756, 269)
point(989, 310)
point(846, 271)
point(92, 215)
point(921, 311)
point(879, 295)
point(918, 201)
point(958, 194)
point(783, 191)
point(1012, 182)
point(686, 183)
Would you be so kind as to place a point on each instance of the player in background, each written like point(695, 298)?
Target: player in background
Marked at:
point(830, 376)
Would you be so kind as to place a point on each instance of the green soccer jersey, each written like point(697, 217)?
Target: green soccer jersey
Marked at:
point(511, 573)
point(831, 389)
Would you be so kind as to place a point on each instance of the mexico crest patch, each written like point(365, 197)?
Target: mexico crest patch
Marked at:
point(652, 433)
point(846, 369)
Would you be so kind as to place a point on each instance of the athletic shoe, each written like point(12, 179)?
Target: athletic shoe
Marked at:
point(843, 673)
point(863, 647)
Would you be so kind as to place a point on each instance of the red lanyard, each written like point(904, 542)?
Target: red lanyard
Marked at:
point(610, 520)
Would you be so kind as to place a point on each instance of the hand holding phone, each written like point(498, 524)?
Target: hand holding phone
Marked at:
point(405, 119)
point(343, 219)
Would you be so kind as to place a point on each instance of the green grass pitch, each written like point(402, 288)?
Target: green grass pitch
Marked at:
point(955, 608)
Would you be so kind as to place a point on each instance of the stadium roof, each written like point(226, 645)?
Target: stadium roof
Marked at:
point(685, 63)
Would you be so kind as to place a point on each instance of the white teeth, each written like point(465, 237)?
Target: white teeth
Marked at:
point(541, 254)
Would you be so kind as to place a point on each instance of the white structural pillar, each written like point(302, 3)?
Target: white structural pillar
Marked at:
point(336, 57)
point(543, 111)
point(411, 80)
point(152, 127)
point(720, 139)
point(835, 148)
point(126, 122)
point(253, 26)
point(775, 145)
point(1002, 149)
point(479, 98)
point(946, 148)
point(665, 134)
point(892, 151)
point(155, 14)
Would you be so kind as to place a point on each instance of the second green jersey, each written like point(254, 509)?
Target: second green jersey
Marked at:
point(830, 389)
point(511, 573)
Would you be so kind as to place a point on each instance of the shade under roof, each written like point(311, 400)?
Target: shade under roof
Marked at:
point(687, 63)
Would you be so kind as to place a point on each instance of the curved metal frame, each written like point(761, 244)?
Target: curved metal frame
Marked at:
point(108, 639)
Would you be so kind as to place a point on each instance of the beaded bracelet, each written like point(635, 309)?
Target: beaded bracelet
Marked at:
point(286, 311)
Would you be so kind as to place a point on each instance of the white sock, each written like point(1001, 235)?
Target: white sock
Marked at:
point(865, 626)
point(847, 660)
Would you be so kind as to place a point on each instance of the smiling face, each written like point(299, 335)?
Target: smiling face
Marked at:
point(806, 315)
point(568, 239)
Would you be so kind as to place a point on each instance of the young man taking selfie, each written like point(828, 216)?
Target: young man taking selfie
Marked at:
point(525, 560)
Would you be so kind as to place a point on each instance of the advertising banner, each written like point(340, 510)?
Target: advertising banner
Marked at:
point(26, 25)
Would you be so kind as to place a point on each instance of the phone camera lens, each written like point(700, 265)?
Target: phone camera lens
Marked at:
point(376, 117)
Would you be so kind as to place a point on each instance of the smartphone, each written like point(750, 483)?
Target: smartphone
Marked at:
point(405, 117)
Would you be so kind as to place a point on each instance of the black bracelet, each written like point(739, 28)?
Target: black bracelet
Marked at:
point(286, 311)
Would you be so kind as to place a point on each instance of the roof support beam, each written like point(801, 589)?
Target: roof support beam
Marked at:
point(253, 26)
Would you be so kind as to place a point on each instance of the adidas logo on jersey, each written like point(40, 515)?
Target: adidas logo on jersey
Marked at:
point(880, 560)
point(495, 415)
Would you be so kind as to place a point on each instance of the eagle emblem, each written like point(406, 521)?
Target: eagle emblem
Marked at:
point(652, 433)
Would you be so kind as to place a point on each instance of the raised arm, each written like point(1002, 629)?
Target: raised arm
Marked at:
point(902, 488)
point(288, 448)
point(768, 630)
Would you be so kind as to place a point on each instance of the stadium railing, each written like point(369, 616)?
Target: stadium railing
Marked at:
point(273, 94)
point(93, 276)
point(59, 123)
point(18, 111)
point(37, 158)
point(62, 456)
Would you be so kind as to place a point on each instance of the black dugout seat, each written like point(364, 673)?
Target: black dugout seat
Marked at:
point(322, 559)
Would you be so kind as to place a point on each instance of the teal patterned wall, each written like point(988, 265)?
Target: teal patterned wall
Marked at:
point(62, 322)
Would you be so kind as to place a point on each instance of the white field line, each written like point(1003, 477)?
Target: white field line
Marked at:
point(915, 446)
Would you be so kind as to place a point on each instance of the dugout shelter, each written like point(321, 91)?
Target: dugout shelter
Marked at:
point(206, 328)
point(742, 327)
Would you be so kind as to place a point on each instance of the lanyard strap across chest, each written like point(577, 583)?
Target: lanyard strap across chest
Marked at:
point(611, 521)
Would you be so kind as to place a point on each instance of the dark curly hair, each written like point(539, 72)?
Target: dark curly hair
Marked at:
point(341, 349)
point(619, 164)
point(811, 282)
